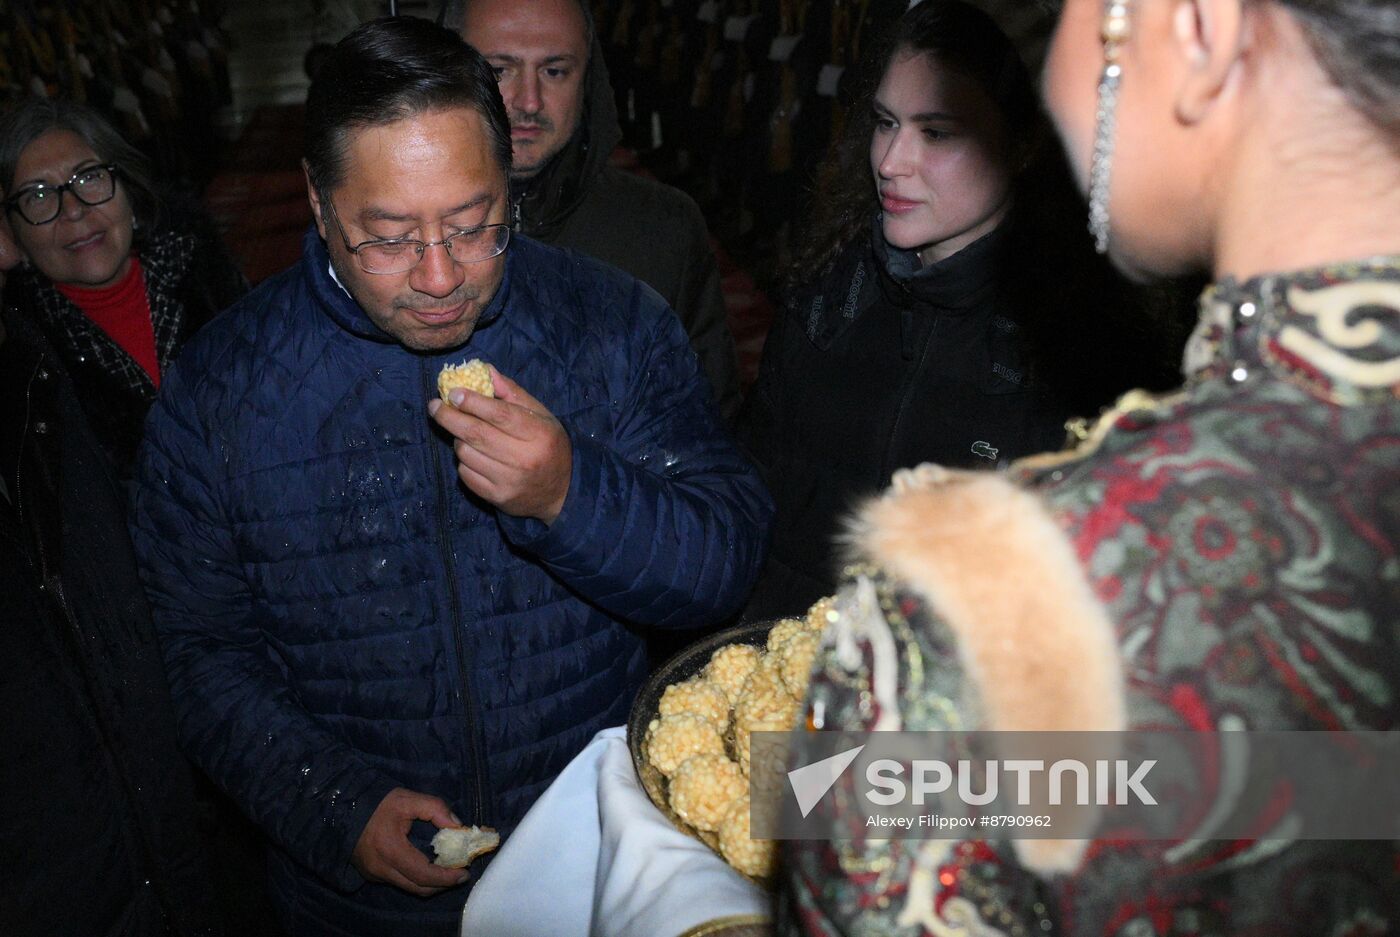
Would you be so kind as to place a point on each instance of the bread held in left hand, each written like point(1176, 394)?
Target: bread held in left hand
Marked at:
point(457, 846)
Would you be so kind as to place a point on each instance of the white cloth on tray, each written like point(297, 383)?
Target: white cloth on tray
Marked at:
point(595, 858)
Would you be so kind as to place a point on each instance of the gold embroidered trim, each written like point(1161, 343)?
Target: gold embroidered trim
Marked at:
point(1134, 401)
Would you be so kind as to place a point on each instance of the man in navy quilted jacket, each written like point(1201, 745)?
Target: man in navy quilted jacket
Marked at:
point(383, 613)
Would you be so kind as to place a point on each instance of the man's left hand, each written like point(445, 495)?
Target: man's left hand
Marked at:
point(510, 450)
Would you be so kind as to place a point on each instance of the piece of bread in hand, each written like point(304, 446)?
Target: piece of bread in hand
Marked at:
point(472, 375)
point(457, 846)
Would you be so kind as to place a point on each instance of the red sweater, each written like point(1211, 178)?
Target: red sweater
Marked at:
point(123, 311)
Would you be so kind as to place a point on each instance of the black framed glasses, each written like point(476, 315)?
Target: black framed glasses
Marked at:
point(400, 255)
point(41, 203)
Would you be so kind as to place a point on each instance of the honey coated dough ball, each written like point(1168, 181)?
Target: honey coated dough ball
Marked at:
point(795, 662)
point(743, 739)
point(764, 699)
point(473, 375)
point(698, 697)
point(769, 662)
point(783, 631)
point(730, 666)
point(703, 788)
point(672, 739)
point(756, 857)
point(816, 615)
point(766, 765)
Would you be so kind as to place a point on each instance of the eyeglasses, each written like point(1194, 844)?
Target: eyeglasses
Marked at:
point(40, 203)
point(400, 255)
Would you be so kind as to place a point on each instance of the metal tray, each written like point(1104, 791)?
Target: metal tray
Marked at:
point(684, 665)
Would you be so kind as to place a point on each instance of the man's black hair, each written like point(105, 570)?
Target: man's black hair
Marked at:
point(389, 69)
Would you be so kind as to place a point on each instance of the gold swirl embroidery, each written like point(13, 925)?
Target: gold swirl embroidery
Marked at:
point(1330, 307)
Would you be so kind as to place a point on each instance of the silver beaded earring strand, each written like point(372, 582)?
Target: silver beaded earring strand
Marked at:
point(1114, 34)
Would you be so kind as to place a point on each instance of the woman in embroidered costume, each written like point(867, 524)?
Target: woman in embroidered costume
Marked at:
point(1219, 558)
point(116, 282)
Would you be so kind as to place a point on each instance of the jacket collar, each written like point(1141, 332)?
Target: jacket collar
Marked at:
point(342, 309)
point(959, 283)
point(1333, 330)
point(543, 203)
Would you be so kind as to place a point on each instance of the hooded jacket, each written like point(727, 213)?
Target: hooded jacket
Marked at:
point(651, 230)
point(340, 616)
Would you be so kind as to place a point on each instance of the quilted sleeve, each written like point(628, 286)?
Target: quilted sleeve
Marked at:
point(666, 523)
point(236, 715)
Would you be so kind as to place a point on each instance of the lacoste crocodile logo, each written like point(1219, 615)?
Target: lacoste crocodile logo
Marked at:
point(985, 450)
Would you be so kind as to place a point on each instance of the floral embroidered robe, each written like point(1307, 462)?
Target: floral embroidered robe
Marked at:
point(1220, 558)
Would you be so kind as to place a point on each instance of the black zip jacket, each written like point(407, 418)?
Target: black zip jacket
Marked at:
point(880, 366)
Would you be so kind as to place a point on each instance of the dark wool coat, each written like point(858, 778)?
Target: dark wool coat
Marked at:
point(341, 617)
point(97, 816)
point(653, 231)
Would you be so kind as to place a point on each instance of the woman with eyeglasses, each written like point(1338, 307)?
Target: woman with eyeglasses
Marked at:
point(116, 282)
point(1212, 569)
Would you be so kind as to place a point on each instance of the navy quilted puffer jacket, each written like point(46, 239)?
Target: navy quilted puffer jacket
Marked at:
point(340, 616)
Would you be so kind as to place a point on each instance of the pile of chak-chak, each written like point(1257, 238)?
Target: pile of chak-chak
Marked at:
point(700, 740)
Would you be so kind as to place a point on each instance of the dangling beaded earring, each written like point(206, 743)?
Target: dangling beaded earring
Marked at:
point(1114, 33)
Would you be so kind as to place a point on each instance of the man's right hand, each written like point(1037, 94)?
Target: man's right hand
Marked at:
point(384, 853)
